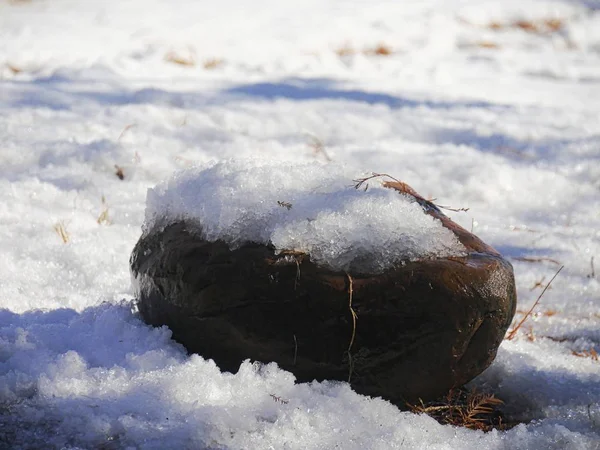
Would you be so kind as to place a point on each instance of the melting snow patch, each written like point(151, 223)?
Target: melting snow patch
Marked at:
point(308, 207)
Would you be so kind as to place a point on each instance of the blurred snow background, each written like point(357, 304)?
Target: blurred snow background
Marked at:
point(492, 106)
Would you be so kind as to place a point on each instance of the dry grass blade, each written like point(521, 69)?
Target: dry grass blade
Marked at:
point(14, 69)
point(379, 50)
point(61, 230)
point(592, 354)
point(174, 58)
point(103, 218)
point(554, 24)
point(128, 127)
point(533, 259)
point(541, 26)
point(511, 335)
point(318, 147)
point(354, 317)
point(527, 25)
point(538, 284)
point(529, 230)
point(345, 50)
point(487, 44)
point(212, 63)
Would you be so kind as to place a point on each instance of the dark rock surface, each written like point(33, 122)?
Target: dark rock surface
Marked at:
point(422, 328)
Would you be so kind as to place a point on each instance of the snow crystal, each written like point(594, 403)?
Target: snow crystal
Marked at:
point(306, 207)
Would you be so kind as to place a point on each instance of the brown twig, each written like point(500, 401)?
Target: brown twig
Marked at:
point(593, 354)
point(318, 147)
point(513, 332)
point(128, 127)
point(535, 259)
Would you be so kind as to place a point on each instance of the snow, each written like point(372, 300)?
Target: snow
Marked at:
point(500, 120)
point(310, 207)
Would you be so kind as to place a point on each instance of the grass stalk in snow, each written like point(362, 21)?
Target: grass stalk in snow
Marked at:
point(103, 218)
point(511, 335)
point(318, 147)
point(61, 230)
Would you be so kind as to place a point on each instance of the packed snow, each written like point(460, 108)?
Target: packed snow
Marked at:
point(491, 106)
point(310, 207)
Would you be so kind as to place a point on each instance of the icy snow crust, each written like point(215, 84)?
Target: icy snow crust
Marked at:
point(511, 132)
point(306, 207)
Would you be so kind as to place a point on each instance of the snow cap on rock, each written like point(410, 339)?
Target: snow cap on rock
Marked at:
point(305, 207)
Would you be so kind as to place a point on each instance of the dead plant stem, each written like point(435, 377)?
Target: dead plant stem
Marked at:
point(513, 333)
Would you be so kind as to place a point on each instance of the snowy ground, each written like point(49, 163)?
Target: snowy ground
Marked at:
point(468, 108)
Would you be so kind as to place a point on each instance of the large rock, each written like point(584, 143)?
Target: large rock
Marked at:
point(415, 331)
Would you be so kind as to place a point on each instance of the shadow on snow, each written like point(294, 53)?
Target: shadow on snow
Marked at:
point(85, 379)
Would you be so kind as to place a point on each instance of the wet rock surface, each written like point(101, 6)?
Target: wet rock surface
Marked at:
point(412, 332)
